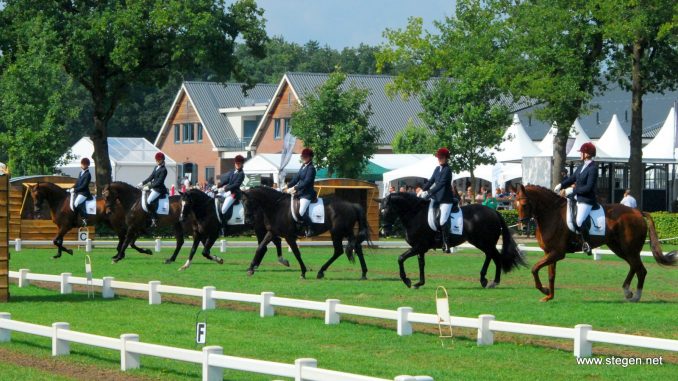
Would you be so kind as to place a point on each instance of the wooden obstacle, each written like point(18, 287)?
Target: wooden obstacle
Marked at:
point(4, 238)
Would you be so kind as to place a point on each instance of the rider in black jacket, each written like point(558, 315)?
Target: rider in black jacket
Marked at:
point(81, 190)
point(439, 188)
point(230, 182)
point(156, 183)
point(301, 187)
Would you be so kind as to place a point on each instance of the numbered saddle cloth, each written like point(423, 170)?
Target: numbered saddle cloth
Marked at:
point(90, 204)
point(316, 210)
point(456, 218)
point(235, 214)
point(596, 218)
point(163, 204)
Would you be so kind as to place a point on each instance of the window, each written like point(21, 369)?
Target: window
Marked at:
point(276, 129)
point(177, 133)
point(199, 133)
point(288, 125)
point(188, 133)
point(209, 175)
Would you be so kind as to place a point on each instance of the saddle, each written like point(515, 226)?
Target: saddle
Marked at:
point(594, 224)
point(456, 218)
point(218, 202)
point(295, 206)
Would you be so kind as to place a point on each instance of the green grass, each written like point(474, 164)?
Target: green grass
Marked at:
point(15, 372)
point(587, 292)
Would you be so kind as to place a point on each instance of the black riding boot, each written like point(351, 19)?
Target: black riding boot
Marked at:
point(81, 212)
point(308, 224)
point(445, 230)
point(584, 232)
point(153, 211)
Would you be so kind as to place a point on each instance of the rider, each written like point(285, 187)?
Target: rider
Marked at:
point(156, 183)
point(230, 182)
point(301, 187)
point(81, 190)
point(440, 189)
point(584, 179)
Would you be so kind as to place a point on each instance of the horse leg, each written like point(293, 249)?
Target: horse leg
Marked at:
point(361, 258)
point(483, 271)
point(121, 240)
point(552, 283)
point(422, 276)
point(545, 261)
point(259, 253)
point(497, 267)
point(140, 250)
point(209, 242)
point(639, 269)
point(57, 242)
point(297, 254)
point(278, 247)
point(179, 237)
point(194, 248)
point(401, 263)
point(338, 251)
point(129, 238)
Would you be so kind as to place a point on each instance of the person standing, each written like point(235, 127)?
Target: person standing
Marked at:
point(229, 184)
point(581, 187)
point(81, 191)
point(301, 187)
point(156, 184)
point(439, 188)
point(629, 200)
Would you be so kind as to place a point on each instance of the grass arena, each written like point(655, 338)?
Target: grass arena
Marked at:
point(588, 293)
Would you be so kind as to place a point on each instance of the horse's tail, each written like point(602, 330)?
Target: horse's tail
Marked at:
point(511, 256)
point(666, 260)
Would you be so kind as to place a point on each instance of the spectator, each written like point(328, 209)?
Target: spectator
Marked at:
point(480, 197)
point(468, 197)
point(417, 189)
point(402, 189)
point(629, 200)
point(391, 189)
point(185, 184)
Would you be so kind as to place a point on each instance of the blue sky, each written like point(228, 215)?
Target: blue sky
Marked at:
point(341, 23)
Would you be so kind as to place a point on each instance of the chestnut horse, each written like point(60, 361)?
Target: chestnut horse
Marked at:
point(625, 232)
point(59, 204)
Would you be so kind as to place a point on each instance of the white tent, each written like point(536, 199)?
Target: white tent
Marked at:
point(577, 137)
point(662, 149)
point(132, 160)
point(580, 137)
point(395, 161)
point(546, 145)
point(517, 144)
point(614, 145)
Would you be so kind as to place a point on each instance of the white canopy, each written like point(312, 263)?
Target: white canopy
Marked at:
point(614, 145)
point(580, 137)
point(546, 145)
point(132, 160)
point(517, 143)
point(395, 161)
point(662, 149)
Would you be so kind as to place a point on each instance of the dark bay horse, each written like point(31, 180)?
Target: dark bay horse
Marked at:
point(625, 232)
point(120, 195)
point(201, 206)
point(482, 228)
point(59, 204)
point(340, 219)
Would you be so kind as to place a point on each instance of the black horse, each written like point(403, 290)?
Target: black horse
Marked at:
point(482, 228)
point(201, 207)
point(340, 219)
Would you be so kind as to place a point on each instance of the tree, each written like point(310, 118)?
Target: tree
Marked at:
point(413, 139)
point(644, 42)
point(109, 47)
point(335, 123)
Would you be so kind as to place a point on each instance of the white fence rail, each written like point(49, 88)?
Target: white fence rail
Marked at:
point(582, 334)
point(211, 358)
point(158, 244)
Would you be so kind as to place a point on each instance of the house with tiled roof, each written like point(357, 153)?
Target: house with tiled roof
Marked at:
point(208, 124)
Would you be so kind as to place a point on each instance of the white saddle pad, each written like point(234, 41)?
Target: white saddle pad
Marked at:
point(163, 204)
point(316, 211)
point(238, 215)
point(456, 220)
point(90, 206)
point(597, 220)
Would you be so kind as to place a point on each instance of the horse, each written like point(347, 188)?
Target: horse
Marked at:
point(340, 218)
point(59, 204)
point(625, 232)
point(201, 206)
point(482, 228)
point(120, 195)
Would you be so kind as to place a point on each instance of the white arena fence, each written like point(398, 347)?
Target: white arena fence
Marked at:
point(158, 244)
point(582, 335)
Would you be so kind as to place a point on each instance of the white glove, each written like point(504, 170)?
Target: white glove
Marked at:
point(71, 190)
point(214, 188)
point(140, 185)
point(569, 191)
point(423, 194)
point(145, 189)
point(557, 188)
point(290, 191)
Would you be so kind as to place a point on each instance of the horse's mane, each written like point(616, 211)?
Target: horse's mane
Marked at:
point(202, 204)
point(408, 197)
point(544, 195)
point(124, 186)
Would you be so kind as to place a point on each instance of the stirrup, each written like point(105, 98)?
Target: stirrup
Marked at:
point(585, 247)
point(83, 221)
point(154, 222)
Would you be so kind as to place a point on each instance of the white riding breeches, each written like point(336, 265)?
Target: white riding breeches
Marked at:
point(228, 201)
point(152, 197)
point(303, 205)
point(79, 199)
point(583, 211)
point(445, 210)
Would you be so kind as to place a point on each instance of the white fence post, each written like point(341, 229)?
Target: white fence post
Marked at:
point(59, 347)
point(582, 346)
point(153, 294)
point(597, 255)
point(23, 278)
point(5, 334)
point(17, 244)
point(211, 373)
point(404, 326)
point(331, 315)
point(222, 246)
point(207, 300)
point(88, 245)
point(128, 360)
point(266, 308)
point(300, 364)
point(485, 335)
point(158, 245)
point(66, 287)
point(107, 291)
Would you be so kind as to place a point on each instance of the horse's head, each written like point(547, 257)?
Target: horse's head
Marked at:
point(388, 215)
point(524, 205)
point(187, 204)
point(249, 206)
point(110, 196)
point(38, 195)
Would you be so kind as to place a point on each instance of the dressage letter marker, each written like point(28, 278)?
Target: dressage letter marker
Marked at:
point(200, 332)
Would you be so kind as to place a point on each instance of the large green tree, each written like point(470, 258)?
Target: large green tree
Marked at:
point(644, 41)
point(109, 47)
point(414, 139)
point(335, 122)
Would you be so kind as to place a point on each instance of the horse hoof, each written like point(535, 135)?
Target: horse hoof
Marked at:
point(148, 252)
point(303, 276)
point(546, 298)
point(320, 275)
point(492, 285)
point(115, 256)
point(182, 268)
point(250, 272)
point(545, 291)
point(363, 277)
point(168, 261)
point(69, 251)
point(57, 256)
point(407, 282)
point(483, 282)
point(220, 261)
point(284, 262)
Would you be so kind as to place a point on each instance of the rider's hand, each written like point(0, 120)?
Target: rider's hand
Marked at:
point(140, 185)
point(423, 194)
point(569, 191)
point(557, 188)
point(145, 189)
point(71, 190)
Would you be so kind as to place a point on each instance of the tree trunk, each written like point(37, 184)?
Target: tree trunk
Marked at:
point(101, 159)
point(559, 152)
point(636, 159)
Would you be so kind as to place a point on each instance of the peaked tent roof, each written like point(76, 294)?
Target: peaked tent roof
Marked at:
point(129, 151)
point(614, 144)
point(662, 149)
point(517, 143)
point(580, 137)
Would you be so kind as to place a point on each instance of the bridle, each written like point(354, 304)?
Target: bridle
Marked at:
point(528, 218)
